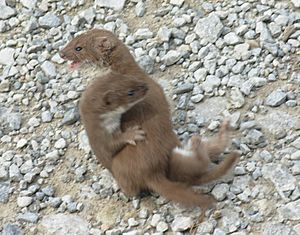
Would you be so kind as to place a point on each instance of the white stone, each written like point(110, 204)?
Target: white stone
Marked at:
point(296, 3)
point(49, 69)
point(60, 144)
point(115, 4)
point(28, 3)
point(181, 224)
point(177, 2)
point(24, 201)
point(63, 224)
point(7, 56)
point(209, 28)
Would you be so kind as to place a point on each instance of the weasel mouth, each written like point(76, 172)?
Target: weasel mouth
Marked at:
point(74, 64)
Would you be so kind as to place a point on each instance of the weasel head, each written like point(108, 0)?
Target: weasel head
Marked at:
point(95, 47)
point(113, 93)
point(124, 93)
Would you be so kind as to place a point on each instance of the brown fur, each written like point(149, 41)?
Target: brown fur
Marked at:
point(195, 166)
point(101, 107)
point(147, 165)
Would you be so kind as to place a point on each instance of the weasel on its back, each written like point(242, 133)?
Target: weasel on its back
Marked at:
point(101, 107)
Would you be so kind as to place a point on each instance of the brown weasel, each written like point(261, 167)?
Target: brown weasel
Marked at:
point(147, 165)
point(101, 107)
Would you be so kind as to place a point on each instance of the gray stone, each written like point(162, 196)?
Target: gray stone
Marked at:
point(28, 217)
point(49, 20)
point(235, 81)
point(205, 227)
point(296, 143)
point(164, 34)
point(248, 125)
point(140, 9)
point(7, 12)
point(14, 172)
point(162, 226)
point(46, 116)
point(237, 99)
point(200, 74)
point(263, 30)
point(277, 121)
point(219, 231)
point(232, 39)
point(275, 29)
point(295, 155)
point(296, 168)
point(7, 55)
point(277, 229)
point(114, 4)
point(220, 191)
point(197, 98)
point(210, 108)
point(281, 178)
point(276, 98)
point(211, 82)
point(21, 143)
point(72, 207)
point(14, 120)
point(255, 137)
point(4, 192)
point(54, 202)
point(49, 69)
point(209, 28)
point(171, 57)
point(258, 81)
point(184, 88)
point(5, 86)
point(84, 142)
point(230, 220)
point(63, 224)
point(155, 220)
point(181, 224)
point(11, 229)
point(49, 191)
point(143, 33)
point(28, 3)
point(31, 25)
point(147, 63)
point(297, 229)
point(89, 15)
point(290, 211)
point(242, 51)
point(3, 173)
point(71, 116)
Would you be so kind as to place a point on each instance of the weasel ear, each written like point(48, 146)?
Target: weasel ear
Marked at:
point(103, 43)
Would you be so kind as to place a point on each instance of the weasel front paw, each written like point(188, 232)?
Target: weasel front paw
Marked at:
point(133, 134)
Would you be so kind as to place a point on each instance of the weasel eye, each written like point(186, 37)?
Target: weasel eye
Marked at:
point(130, 93)
point(78, 48)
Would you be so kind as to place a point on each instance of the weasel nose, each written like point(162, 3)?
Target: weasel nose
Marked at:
point(62, 54)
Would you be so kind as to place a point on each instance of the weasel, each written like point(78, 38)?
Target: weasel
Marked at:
point(101, 107)
point(147, 166)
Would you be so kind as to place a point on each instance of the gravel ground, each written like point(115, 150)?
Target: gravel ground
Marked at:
point(216, 59)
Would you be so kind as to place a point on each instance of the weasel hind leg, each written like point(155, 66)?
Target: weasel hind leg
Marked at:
point(192, 164)
point(217, 145)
